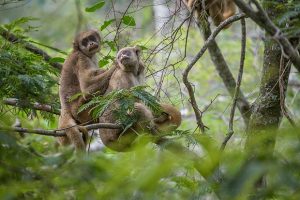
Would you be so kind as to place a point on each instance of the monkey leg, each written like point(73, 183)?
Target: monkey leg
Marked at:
point(76, 135)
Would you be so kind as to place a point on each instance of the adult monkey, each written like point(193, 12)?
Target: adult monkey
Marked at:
point(129, 73)
point(218, 10)
point(80, 75)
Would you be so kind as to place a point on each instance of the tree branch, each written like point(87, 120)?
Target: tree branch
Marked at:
point(36, 106)
point(14, 39)
point(260, 17)
point(188, 85)
point(59, 133)
point(238, 84)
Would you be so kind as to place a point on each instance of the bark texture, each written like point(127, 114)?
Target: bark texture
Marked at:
point(266, 114)
point(266, 111)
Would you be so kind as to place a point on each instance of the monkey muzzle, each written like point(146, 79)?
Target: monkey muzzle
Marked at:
point(93, 47)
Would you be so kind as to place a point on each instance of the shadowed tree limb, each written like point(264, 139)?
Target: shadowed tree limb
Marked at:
point(59, 133)
point(14, 39)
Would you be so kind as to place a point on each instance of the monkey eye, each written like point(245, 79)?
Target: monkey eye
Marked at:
point(92, 38)
point(84, 42)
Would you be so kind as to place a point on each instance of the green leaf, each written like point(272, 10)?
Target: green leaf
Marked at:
point(19, 21)
point(57, 59)
point(95, 7)
point(103, 62)
point(128, 20)
point(106, 24)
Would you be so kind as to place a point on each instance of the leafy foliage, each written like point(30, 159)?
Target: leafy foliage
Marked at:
point(24, 75)
point(125, 98)
point(173, 172)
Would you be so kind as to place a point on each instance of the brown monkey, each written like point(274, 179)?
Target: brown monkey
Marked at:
point(169, 120)
point(218, 10)
point(80, 74)
point(129, 73)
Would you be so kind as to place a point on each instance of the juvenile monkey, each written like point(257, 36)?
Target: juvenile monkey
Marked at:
point(169, 120)
point(129, 73)
point(80, 74)
point(218, 10)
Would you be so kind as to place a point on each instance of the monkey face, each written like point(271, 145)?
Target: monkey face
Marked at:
point(128, 58)
point(88, 42)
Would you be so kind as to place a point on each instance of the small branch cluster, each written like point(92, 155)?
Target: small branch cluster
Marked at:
point(14, 39)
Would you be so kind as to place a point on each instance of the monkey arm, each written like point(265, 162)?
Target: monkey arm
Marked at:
point(94, 80)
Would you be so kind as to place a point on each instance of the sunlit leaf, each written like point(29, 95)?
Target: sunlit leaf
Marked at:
point(128, 20)
point(106, 24)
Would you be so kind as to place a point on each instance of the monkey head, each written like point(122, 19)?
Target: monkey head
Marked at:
point(128, 58)
point(88, 42)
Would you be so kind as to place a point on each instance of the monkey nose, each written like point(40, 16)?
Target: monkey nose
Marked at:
point(94, 46)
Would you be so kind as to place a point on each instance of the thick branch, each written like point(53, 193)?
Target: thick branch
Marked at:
point(36, 106)
point(14, 39)
point(209, 40)
point(260, 17)
point(59, 133)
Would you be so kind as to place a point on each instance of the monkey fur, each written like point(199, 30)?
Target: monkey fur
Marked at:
point(80, 74)
point(218, 10)
point(130, 73)
point(169, 120)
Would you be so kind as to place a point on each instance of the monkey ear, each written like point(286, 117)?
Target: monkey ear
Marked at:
point(138, 50)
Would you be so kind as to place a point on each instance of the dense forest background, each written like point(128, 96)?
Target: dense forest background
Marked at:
point(261, 159)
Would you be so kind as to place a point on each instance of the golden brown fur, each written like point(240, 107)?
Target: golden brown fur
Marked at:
point(169, 120)
point(80, 74)
point(130, 73)
point(218, 10)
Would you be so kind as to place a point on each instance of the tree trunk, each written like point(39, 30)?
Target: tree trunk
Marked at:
point(266, 111)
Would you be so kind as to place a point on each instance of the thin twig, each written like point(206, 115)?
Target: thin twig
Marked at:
point(238, 85)
point(119, 25)
point(284, 109)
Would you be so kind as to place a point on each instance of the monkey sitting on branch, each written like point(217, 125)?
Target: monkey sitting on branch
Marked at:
point(218, 10)
point(80, 75)
point(129, 73)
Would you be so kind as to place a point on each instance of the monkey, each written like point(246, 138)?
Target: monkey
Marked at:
point(130, 73)
point(169, 120)
point(129, 70)
point(80, 75)
point(218, 10)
